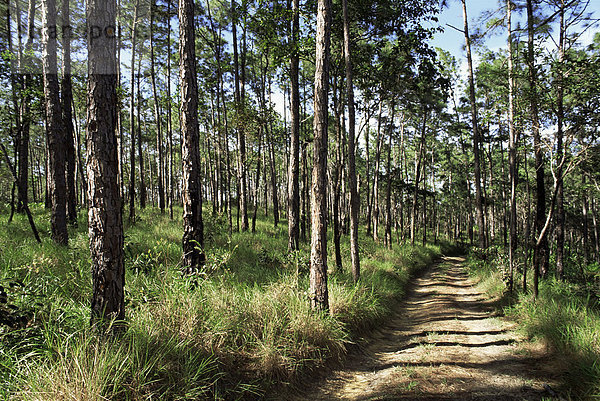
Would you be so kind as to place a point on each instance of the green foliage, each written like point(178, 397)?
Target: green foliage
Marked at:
point(230, 332)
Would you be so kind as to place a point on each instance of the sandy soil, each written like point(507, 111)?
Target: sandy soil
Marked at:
point(445, 343)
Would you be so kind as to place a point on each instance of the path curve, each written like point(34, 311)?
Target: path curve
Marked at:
point(445, 343)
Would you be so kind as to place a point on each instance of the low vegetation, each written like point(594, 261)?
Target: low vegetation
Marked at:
point(229, 332)
point(565, 316)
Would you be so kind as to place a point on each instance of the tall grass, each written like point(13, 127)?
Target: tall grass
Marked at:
point(230, 332)
point(565, 316)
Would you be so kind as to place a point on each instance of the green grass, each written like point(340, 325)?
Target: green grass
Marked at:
point(565, 316)
point(243, 324)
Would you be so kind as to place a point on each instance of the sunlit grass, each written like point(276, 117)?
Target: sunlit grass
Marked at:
point(230, 332)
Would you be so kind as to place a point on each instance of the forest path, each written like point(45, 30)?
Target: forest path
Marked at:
point(445, 343)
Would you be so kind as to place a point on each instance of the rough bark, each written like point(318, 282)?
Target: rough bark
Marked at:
point(193, 236)
point(67, 100)
point(23, 143)
point(354, 198)
point(541, 248)
point(512, 153)
point(294, 165)
point(132, 117)
point(105, 215)
point(319, 297)
point(560, 113)
point(476, 139)
point(54, 125)
point(159, 136)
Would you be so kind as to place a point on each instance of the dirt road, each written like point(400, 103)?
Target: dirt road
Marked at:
point(445, 343)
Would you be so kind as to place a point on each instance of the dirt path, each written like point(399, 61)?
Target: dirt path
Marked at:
point(444, 344)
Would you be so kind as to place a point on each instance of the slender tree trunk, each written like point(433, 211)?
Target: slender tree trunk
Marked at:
point(585, 227)
point(159, 138)
point(193, 229)
point(257, 182)
point(294, 166)
point(105, 215)
point(142, 193)
point(23, 160)
point(560, 210)
point(354, 198)
point(54, 127)
point(476, 140)
point(541, 250)
point(319, 297)
point(418, 158)
point(132, 117)
point(67, 100)
point(375, 198)
point(337, 174)
point(169, 119)
point(242, 195)
point(388, 193)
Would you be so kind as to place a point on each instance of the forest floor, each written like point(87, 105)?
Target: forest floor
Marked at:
point(448, 341)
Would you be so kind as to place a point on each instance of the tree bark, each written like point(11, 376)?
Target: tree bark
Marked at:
point(54, 127)
point(560, 209)
point(67, 100)
point(354, 197)
point(476, 140)
point(294, 165)
point(541, 248)
point(105, 215)
point(23, 161)
point(318, 255)
point(132, 117)
point(193, 229)
point(159, 138)
point(142, 190)
point(512, 153)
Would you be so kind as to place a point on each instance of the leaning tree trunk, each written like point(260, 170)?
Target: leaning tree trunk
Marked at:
point(354, 199)
point(105, 215)
point(193, 235)
point(319, 297)
point(54, 128)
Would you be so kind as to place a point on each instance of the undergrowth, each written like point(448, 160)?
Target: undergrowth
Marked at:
point(566, 316)
point(230, 332)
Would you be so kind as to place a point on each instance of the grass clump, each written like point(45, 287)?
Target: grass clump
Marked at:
point(565, 316)
point(230, 332)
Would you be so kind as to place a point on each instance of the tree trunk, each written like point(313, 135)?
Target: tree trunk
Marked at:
point(242, 195)
point(132, 118)
point(512, 153)
point(23, 161)
point(105, 215)
point(560, 209)
point(354, 198)
point(337, 174)
point(67, 100)
point(294, 166)
point(169, 119)
point(159, 139)
point(142, 193)
point(476, 140)
point(541, 249)
point(54, 127)
point(319, 297)
point(375, 198)
point(193, 229)
point(418, 158)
